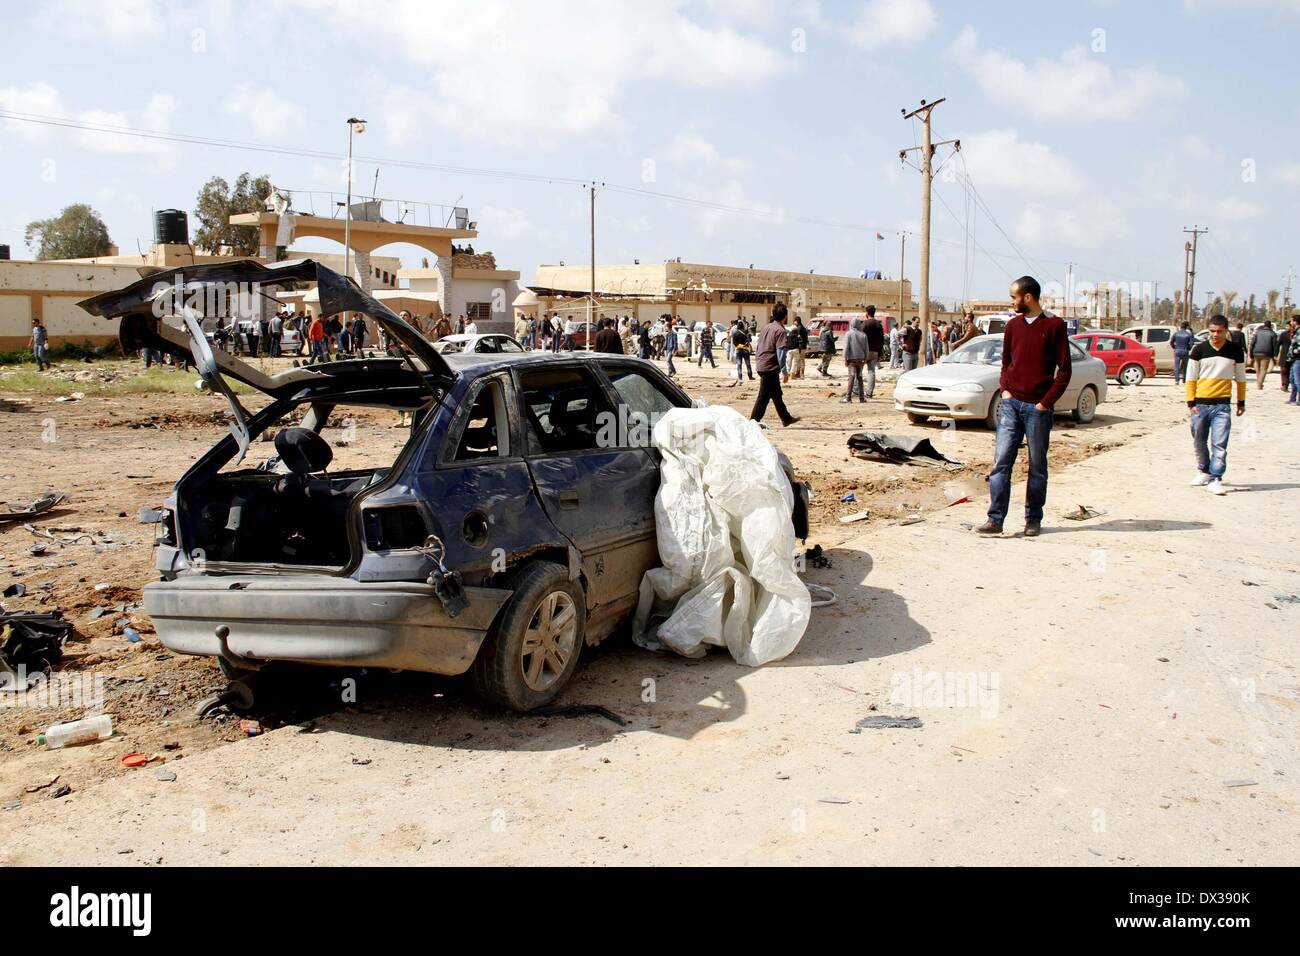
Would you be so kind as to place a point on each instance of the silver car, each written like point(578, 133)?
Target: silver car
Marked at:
point(965, 385)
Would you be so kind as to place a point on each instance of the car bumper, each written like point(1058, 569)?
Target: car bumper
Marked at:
point(320, 619)
point(941, 404)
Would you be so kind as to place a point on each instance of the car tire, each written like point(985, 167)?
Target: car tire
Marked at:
point(1085, 408)
point(508, 671)
point(1131, 375)
point(917, 419)
point(995, 406)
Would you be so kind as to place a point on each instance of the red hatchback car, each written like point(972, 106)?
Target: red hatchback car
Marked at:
point(1127, 360)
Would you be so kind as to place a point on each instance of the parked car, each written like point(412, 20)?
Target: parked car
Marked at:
point(1127, 361)
point(839, 324)
point(964, 385)
point(491, 343)
point(504, 537)
point(1156, 338)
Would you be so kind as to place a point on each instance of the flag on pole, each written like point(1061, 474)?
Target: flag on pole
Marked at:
point(879, 236)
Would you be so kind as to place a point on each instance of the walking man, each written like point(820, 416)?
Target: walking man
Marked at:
point(1035, 373)
point(740, 343)
point(706, 346)
point(670, 347)
point(40, 344)
point(607, 339)
point(769, 371)
point(1293, 354)
point(1182, 343)
point(1283, 353)
point(911, 345)
point(875, 333)
point(1215, 365)
point(1262, 348)
point(828, 350)
point(895, 347)
point(798, 345)
point(855, 356)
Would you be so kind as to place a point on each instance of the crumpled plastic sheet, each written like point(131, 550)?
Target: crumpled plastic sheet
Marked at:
point(726, 542)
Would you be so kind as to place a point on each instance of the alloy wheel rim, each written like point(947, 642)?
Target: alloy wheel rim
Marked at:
point(549, 641)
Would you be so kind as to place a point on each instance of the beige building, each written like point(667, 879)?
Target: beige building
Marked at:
point(696, 292)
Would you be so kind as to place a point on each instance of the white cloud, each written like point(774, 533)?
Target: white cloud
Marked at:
point(732, 193)
point(1089, 223)
point(44, 100)
point(501, 72)
point(1238, 210)
point(1000, 159)
point(1075, 85)
point(116, 20)
point(265, 110)
point(883, 22)
point(504, 223)
point(691, 147)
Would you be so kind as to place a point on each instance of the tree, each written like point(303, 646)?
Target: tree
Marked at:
point(75, 233)
point(1229, 296)
point(217, 202)
point(1271, 298)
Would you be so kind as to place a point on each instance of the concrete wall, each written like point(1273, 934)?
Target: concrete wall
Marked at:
point(52, 290)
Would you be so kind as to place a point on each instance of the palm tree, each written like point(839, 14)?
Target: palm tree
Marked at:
point(1271, 297)
point(1228, 296)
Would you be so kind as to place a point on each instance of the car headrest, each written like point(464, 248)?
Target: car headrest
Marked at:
point(564, 414)
point(302, 451)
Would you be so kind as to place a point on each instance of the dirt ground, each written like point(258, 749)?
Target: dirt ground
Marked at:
point(114, 454)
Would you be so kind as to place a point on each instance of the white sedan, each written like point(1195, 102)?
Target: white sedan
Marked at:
point(490, 343)
point(965, 385)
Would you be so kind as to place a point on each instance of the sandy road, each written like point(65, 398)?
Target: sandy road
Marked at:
point(1136, 703)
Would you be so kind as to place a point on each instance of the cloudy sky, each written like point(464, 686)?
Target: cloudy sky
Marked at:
point(728, 131)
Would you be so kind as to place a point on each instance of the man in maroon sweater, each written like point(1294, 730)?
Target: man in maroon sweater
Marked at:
point(1035, 373)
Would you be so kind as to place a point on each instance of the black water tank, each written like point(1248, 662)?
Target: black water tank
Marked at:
point(171, 226)
point(4, 253)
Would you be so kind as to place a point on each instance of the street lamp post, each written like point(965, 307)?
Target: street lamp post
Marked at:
point(354, 126)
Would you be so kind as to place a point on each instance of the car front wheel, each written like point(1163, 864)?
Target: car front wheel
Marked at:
point(917, 419)
point(533, 651)
point(995, 406)
point(1085, 409)
point(1131, 375)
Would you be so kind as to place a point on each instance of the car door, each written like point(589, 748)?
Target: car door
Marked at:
point(1078, 378)
point(596, 489)
point(477, 484)
point(1158, 340)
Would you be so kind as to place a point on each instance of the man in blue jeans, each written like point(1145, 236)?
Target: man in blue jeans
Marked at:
point(1182, 343)
point(1217, 366)
point(1035, 374)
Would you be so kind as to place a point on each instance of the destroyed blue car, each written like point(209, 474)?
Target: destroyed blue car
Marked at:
point(509, 527)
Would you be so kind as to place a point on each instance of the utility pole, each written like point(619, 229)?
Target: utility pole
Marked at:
point(1191, 271)
point(591, 306)
point(354, 126)
point(927, 175)
point(1286, 295)
point(902, 264)
point(1069, 290)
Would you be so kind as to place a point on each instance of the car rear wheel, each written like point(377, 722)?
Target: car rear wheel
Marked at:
point(1131, 375)
point(995, 406)
point(1085, 409)
point(917, 419)
point(533, 650)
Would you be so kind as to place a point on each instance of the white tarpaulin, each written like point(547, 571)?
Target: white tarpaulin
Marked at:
point(726, 541)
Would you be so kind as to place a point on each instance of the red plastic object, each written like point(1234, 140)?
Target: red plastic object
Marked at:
point(134, 760)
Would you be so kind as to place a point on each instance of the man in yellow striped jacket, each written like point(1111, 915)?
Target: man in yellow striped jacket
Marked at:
point(1214, 366)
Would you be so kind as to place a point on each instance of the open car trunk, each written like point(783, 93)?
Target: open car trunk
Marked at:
point(289, 510)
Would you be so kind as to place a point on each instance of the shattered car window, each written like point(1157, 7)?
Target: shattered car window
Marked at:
point(563, 408)
point(483, 432)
